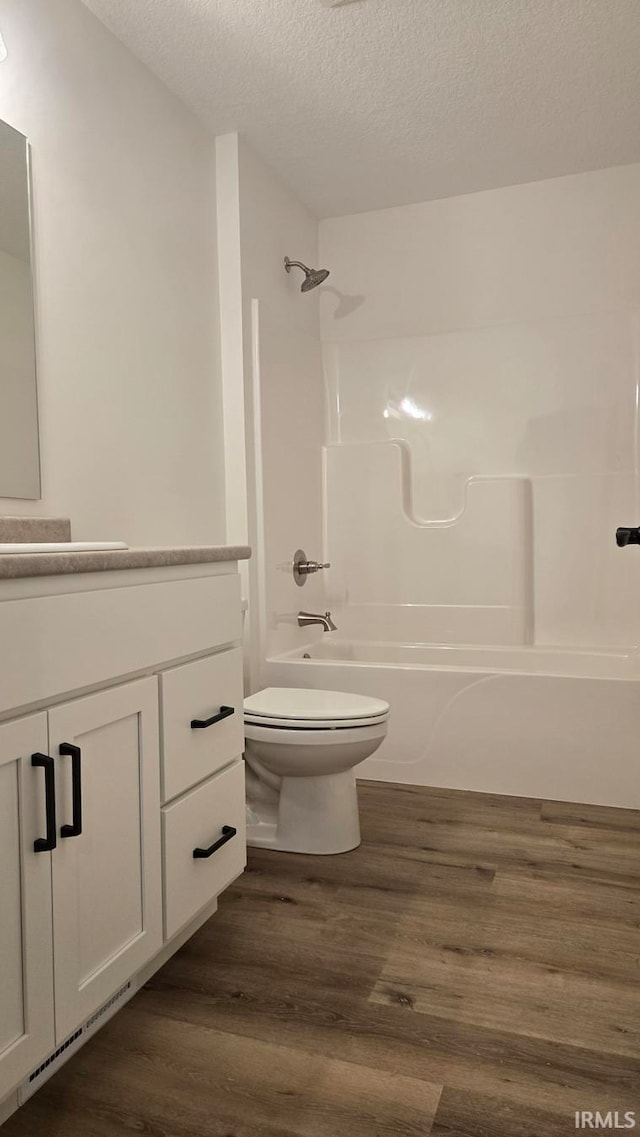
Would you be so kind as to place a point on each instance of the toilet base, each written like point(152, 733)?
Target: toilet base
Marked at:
point(317, 815)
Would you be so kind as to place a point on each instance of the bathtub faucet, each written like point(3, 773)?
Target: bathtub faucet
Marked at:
point(306, 619)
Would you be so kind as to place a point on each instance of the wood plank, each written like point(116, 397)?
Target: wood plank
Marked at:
point(463, 1114)
point(576, 852)
point(419, 804)
point(490, 985)
point(168, 1076)
point(593, 816)
point(585, 903)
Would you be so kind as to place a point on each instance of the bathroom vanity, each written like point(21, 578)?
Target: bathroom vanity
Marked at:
point(122, 814)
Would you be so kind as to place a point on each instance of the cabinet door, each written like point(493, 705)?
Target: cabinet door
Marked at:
point(107, 909)
point(26, 953)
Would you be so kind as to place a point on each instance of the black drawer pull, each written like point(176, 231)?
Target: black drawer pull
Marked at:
point(46, 844)
point(223, 713)
point(66, 749)
point(627, 536)
point(227, 833)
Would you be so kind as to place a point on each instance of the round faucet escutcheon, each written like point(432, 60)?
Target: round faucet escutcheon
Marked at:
point(303, 567)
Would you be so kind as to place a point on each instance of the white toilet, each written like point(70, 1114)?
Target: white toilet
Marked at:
point(301, 748)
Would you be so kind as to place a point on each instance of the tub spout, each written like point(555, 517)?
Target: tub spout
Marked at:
point(306, 619)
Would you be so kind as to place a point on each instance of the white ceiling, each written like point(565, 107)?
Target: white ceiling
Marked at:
point(383, 102)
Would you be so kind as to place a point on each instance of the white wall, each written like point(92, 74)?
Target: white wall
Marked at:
point(271, 343)
point(126, 283)
point(497, 335)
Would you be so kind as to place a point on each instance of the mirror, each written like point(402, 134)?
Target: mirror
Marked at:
point(19, 451)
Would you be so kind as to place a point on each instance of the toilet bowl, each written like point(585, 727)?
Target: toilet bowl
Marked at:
point(301, 748)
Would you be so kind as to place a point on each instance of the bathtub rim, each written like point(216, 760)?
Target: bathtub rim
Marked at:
point(628, 661)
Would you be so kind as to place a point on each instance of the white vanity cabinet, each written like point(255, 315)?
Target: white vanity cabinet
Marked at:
point(122, 810)
point(27, 1030)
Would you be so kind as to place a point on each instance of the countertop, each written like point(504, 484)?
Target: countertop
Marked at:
point(14, 565)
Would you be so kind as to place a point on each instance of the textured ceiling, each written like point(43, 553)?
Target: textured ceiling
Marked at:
point(384, 102)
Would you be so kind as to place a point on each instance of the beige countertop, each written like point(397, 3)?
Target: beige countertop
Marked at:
point(14, 565)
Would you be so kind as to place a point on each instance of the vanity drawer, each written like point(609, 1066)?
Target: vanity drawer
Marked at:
point(112, 631)
point(208, 691)
point(203, 819)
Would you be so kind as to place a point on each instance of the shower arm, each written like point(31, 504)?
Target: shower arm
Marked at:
point(295, 264)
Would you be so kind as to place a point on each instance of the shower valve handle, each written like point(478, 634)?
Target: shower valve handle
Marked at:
point(307, 567)
point(627, 536)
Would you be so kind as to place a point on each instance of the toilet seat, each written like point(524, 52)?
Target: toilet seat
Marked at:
point(293, 708)
point(307, 724)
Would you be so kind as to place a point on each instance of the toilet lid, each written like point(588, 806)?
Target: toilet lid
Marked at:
point(294, 704)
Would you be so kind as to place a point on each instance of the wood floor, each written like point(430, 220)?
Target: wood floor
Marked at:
point(471, 971)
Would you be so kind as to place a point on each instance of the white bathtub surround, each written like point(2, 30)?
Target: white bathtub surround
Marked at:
point(527, 721)
point(420, 624)
point(470, 568)
point(497, 336)
point(290, 395)
point(301, 750)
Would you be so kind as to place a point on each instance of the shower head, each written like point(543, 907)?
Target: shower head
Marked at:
point(312, 276)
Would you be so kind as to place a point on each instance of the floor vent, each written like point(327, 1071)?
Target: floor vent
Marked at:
point(60, 1055)
point(111, 1005)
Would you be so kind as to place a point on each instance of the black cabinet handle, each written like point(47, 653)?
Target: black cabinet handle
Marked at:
point(227, 833)
point(46, 844)
point(223, 713)
point(627, 536)
point(66, 749)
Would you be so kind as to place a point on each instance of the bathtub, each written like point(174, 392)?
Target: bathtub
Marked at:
point(529, 721)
